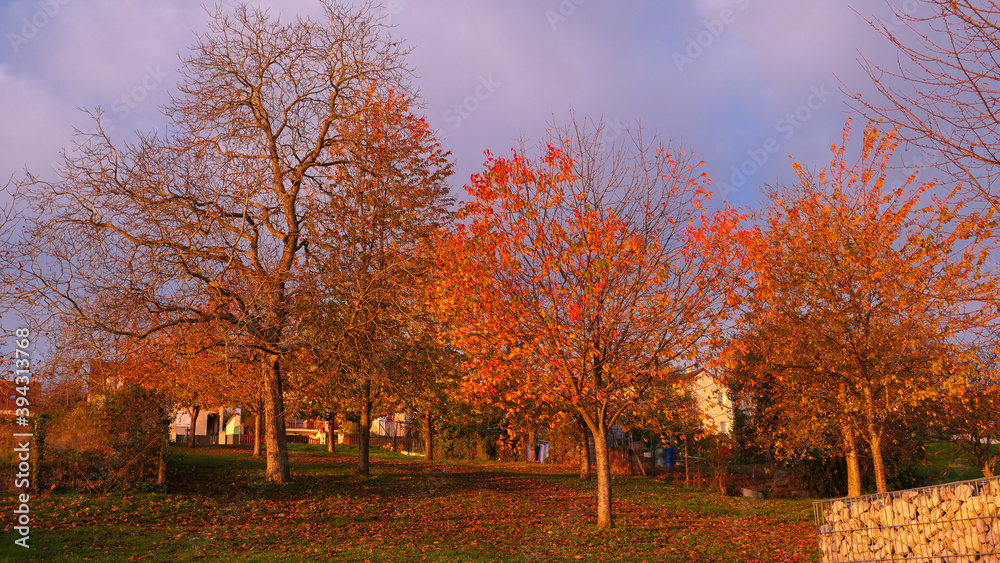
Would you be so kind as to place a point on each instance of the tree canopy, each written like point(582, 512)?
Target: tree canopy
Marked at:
point(585, 272)
point(863, 299)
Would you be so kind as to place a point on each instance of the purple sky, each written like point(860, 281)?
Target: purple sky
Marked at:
point(733, 79)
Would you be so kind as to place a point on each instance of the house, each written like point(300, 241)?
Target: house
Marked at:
point(223, 425)
point(713, 401)
point(213, 426)
point(11, 391)
point(709, 396)
point(398, 424)
point(384, 430)
point(227, 426)
point(235, 430)
point(300, 431)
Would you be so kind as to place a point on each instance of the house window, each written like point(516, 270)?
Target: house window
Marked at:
point(722, 427)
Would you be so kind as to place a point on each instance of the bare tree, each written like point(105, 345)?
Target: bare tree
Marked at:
point(945, 87)
point(9, 259)
point(214, 221)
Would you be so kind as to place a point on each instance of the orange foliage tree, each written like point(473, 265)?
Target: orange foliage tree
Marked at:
point(972, 420)
point(195, 371)
point(425, 379)
point(581, 276)
point(864, 299)
point(373, 251)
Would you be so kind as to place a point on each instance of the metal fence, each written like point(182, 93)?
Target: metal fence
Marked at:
point(953, 523)
point(240, 439)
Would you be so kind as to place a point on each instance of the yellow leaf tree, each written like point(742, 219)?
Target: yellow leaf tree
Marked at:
point(863, 299)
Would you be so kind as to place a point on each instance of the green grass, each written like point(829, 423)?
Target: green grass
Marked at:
point(218, 507)
point(946, 463)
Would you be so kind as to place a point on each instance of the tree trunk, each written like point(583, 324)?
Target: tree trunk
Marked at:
point(875, 441)
point(193, 413)
point(329, 435)
point(365, 430)
point(531, 445)
point(604, 519)
point(687, 464)
point(394, 446)
point(222, 426)
point(853, 467)
point(428, 437)
point(258, 429)
point(277, 470)
point(850, 450)
point(161, 469)
point(585, 471)
point(988, 469)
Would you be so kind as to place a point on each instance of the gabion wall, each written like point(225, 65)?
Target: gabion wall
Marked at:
point(953, 523)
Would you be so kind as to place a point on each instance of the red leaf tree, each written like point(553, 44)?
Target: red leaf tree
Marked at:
point(581, 276)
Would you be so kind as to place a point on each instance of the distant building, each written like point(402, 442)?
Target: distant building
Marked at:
point(227, 426)
point(9, 392)
point(713, 400)
point(208, 429)
point(703, 392)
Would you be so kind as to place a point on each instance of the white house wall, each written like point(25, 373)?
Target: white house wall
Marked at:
point(235, 423)
point(183, 420)
point(396, 424)
point(713, 401)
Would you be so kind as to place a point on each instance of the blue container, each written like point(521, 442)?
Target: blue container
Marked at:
point(669, 457)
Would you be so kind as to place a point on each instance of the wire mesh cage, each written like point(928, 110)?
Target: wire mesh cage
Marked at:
point(951, 523)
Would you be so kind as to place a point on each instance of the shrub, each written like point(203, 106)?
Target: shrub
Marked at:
point(116, 440)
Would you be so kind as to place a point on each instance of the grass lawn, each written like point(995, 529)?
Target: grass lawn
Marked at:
point(946, 463)
point(217, 507)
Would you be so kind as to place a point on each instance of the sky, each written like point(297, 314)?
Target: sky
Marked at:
point(744, 84)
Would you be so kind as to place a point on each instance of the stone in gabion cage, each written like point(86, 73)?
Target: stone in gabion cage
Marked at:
point(952, 523)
